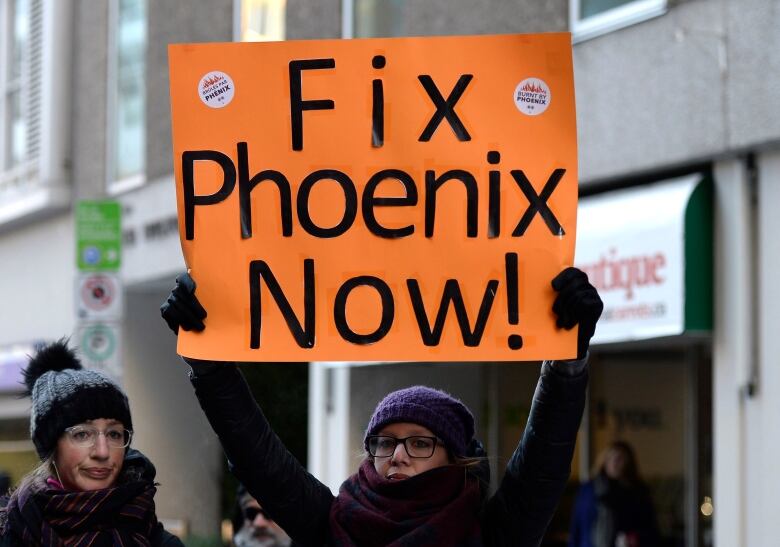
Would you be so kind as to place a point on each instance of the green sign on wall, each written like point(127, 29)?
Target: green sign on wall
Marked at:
point(98, 235)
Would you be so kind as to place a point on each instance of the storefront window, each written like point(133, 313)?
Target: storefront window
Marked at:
point(128, 112)
point(590, 18)
point(657, 401)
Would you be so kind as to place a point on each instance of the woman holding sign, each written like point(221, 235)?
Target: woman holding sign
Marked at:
point(423, 481)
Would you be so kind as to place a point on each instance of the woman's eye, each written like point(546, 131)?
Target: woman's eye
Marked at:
point(422, 443)
point(386, 443)
point(81, 435)
point(115, 435)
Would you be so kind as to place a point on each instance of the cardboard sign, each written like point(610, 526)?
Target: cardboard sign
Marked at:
point(373, 200)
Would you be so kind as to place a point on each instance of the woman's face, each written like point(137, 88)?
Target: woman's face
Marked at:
point(615, 464)
point(400, 465)
point(90, 467)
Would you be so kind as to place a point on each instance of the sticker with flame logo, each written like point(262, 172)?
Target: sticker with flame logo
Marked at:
point(532, 96)
point(216, 89)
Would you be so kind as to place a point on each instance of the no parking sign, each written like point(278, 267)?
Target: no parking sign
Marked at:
point(98, 296)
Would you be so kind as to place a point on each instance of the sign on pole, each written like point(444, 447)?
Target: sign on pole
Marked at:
point(98, 235)
point(98, 287)
point(381, 199)
point(98, 296)
point(100, 347)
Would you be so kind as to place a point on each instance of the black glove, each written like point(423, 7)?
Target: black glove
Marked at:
point(577, 302)
point(182, 308)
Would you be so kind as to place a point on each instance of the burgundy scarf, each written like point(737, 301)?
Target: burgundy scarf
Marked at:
point(438, 507)
point(121, 515)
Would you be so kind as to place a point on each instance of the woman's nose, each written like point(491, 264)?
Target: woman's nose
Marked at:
point(399, 454)
point(101, 448)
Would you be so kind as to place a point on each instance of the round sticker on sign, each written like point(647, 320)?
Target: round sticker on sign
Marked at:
point(532, 96)
point(216, 89)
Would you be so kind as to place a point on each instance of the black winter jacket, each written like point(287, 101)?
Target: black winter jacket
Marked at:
point(516, 515)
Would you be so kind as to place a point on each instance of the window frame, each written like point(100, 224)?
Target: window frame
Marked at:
point(116, 185)
point(40, 184)
point(612, 19)
point(237, 14)
point(9, 86)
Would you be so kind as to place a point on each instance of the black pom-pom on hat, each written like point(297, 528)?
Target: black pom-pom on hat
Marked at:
point(56, 356)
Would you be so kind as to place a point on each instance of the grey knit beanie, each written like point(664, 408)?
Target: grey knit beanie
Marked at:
point(64, 394)
point(447, 417)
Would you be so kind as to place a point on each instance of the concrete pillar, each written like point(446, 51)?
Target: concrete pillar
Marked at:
point(763, 418)
point(330, 450)
point(732, 352)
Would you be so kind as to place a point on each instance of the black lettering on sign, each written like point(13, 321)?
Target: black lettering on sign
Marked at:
point(340, 310)
point(445, 108)
point(378, 105)
point(538, 203)
point(432, 336)
point(297, 104)
point(494, 196)
point(304, 335)
point(369, 201)
point(188, 160)
point(432, 185)
point(350, 203)
point(245, 187)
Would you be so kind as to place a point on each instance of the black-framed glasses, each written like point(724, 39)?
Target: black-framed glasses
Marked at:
point(85, 436)
point(250, 513)
point(417, 446)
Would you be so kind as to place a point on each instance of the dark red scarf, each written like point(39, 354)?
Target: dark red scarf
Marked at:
point(438, 507)
point(49, 517)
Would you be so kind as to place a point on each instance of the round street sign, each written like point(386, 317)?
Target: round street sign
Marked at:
point(98, 296)
point(98, 342)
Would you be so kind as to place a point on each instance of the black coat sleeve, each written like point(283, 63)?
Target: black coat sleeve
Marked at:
point(519, 512)
point(296, 500)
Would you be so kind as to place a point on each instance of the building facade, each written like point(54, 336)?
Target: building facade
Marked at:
point(668, 91)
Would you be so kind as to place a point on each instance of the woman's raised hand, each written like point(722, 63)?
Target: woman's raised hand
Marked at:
point(578, 303)
point(181, 308)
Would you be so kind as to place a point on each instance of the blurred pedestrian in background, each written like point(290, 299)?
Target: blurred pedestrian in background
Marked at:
point(253, 527)
point(614, 509)
point(90, 488)
point(421, 482)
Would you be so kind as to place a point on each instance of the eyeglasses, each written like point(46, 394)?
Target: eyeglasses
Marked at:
point(250, 513)
point(85, 436)
point(416, 446)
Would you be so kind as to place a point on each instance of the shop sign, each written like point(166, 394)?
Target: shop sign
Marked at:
point(641, 248)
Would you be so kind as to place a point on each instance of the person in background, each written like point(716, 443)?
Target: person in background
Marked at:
point(614, 509)
point(421, 481)
point(253, 527)
point(90, 487)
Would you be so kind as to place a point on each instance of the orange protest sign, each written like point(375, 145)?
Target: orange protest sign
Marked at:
point(381, 199)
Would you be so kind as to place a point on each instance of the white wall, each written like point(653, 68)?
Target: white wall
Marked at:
point(731, 348)
point(762, 412)
point(37, 276)
point(170, 428)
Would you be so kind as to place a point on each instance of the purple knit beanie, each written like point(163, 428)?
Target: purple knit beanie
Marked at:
point(445, 416)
